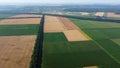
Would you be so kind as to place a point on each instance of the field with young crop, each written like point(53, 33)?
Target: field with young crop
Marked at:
point(58, 52)
point(22, 29)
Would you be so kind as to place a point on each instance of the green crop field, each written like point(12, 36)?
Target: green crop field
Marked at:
point(21, 29)
point(59, 53)
point(94, 24)
point(102, 33)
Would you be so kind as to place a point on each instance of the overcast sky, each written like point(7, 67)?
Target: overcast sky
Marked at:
point(63, 1)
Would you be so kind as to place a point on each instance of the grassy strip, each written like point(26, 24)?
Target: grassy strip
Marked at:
point(36, 58)
point(16, 30)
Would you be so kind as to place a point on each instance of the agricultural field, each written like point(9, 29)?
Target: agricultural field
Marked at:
point(102, 33)
point(52, 24)
point(22, 19)
point(99, 14)
point(17, 39)
point(113, 15)
point(67, 43)
point(96, 49)
point(6, 15)
point(16, 51)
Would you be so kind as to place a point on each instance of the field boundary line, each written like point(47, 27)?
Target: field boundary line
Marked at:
point(107, 52)
point(88, 37)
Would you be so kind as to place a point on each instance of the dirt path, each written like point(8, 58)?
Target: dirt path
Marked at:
point(16, 51)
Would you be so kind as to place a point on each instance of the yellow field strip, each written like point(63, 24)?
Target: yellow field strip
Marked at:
point(88, 37)
point(74, 35)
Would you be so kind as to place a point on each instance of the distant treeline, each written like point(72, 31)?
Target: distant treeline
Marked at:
point(28, 9)
point(69, 8)
point(101, 9)
point(94, 8)
point(85, 18)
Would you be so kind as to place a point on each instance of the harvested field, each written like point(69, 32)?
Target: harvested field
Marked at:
point(84, 13)
point(113, 15)
point(99, 14)
point(75, 35)
point(68, 24)
point(52, 24)
point(21, 20)
point(91, 67)
point(16, 51)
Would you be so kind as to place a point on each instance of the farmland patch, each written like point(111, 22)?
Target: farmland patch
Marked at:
point(75, 35)
point(94, 24)
point(25, 15)
point(84, 13)
point(59, 53)
point(16, 51)
point(68, 24)
point(99, 14)
point(25, 29)
point(52, 24)
point(113, 15)
point(6, 15)
point(22, 19)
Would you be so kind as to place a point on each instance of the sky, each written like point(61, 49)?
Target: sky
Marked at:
point(62, 1)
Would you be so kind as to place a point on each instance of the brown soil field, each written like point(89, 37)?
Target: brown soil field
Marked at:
point(52, 24)
point(21, 20)
point(84, 13)
point(91, 67)
point(113, 15)
point(99, 14)
point(68, 24)
point(16, 51)
point(74, 35)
